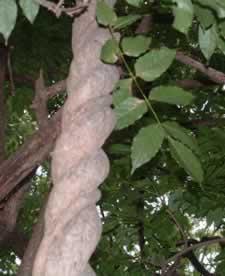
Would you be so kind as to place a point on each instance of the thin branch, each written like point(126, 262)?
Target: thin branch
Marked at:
point(32, 153)
point(10, 71)
point(196, 264)
point(219, 122)
point(21, 79)
point(146, 25)
point(193, 247)
point(141, 227)
point(193, 84)
point(106, 233)
point(183, 235)
point(172, 271)
point(59, 4)
point(40, 101)
point(211, 73)
point(54, 89)
point(192, 258)
point(3, 64)
point(58, 8)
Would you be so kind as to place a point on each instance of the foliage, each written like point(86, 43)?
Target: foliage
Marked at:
point(167, 152)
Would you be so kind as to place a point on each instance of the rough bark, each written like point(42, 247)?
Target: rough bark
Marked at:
point(31, 154)
point(79, 165)
point(9, 213)
point(17, 242)
point(33, 245)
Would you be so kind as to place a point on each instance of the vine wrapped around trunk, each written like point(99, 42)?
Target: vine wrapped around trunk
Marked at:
point(79, 165)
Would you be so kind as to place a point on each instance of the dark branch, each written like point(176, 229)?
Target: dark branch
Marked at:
point(31, 154)
point(3, 66)
point(31, 250)
point(17, 242)
point(8, 219)
point(56, 88)
point(211, 73)
point(197, 265)
point(193, 84)
point(146, 25)
point(205, 122)
point(191, 248)
point(40, 101)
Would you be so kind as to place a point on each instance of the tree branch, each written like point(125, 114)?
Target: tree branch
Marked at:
point(10, 73)
point(182, 233)
point(214, 75)
point(40, 102)
point(9, 213)
point(10, 237)
point(31, 154)
point(197, 265)
point(193, 84)
point(17, 242)
point(54, 89)
point(31, 250)
point(141, 227)
point(3, 65)
point(145, 26)
point(185, 251)
point(191, 256)
point(58, 8)
point(219, 122)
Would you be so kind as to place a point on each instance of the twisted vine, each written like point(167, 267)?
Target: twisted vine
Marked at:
point(79, 165)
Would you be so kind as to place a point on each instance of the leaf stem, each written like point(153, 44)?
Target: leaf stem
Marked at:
point(147, 101)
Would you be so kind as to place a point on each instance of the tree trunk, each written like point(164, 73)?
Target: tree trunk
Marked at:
point(79, 165)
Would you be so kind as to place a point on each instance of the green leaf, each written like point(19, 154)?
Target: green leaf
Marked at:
point(221, 28)
point(204, 15)
point(146, 145)
point(105, 14)
point(153, 64)
point(171, 95)
point(221, 44)
point(110, 51)
point(186, 159)
point(183, 13)
point(123, 91)
point(207, 41)
point(135, 46)
point(129, 111)
point(124, 21)
point(8, 14)
point(125, 84)
point(215, 216)
point(120, 149)
point(181, 134)
point(135, 3)
point(216, 5)
point(120, 96)
point(30, 9)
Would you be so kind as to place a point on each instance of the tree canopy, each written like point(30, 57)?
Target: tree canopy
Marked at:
point(163, 203)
